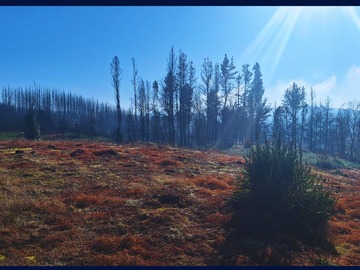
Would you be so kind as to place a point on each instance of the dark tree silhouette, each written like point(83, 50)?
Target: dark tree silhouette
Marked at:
point(227, 76)
point(294, 102)
point(134, 82)
point(32, 127)
point(168, 94)
point(116, 73)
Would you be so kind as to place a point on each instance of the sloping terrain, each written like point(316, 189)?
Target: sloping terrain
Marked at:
point(345, 225)
point(93, 203)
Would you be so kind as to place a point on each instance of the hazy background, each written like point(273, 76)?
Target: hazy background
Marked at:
point(71, 48)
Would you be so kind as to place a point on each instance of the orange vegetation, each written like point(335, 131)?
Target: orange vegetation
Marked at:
point(97, 203)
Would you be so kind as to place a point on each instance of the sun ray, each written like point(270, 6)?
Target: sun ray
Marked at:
point(265, 34)
point(271, 42)
point(269, 45)
point(278, 45)
point(353, 15)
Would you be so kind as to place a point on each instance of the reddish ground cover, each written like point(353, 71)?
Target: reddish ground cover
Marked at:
point(93, 203)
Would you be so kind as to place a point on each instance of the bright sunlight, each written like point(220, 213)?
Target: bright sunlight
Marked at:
point(270, 43)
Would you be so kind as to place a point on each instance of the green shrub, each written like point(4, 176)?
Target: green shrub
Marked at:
point(285, 191)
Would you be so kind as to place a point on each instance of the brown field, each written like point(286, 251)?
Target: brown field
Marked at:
point(93, 203)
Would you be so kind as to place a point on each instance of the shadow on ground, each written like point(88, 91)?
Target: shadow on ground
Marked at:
point(253, 238)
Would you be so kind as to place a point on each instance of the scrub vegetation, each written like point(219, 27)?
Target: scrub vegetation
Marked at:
point(99, 203)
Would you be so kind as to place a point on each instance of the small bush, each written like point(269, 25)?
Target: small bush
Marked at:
point(78, 152)
point(284, 191)
point(107, 152)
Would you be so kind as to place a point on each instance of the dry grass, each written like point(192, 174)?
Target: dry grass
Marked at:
point(85, 203)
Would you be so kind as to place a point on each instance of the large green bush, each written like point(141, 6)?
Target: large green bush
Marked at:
point(279, 187)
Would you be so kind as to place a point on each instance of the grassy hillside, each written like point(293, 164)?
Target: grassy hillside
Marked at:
point(86, 203)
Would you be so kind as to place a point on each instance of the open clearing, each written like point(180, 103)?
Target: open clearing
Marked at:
point(95, 203)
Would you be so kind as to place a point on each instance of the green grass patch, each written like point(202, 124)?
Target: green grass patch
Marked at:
point(328, 162)
point(10, 135)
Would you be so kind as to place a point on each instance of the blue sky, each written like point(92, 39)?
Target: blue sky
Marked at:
point(71, 48)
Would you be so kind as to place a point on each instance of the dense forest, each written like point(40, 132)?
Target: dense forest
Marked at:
point(222, 108)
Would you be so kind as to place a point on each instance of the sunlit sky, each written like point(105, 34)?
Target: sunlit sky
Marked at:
point(71, 48)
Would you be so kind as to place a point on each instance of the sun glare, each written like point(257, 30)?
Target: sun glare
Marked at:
point(351, 12)
point(269, 45)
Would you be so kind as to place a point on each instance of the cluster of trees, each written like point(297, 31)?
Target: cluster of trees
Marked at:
point(226, 108)
point(222, 108)
point(318, 127)
point(53, 111)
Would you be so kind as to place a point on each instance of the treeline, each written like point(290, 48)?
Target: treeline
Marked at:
point(319, 128)
point(56, 111)
point(222, 108)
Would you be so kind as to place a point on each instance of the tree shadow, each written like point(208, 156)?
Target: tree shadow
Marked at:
point(253, 237)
